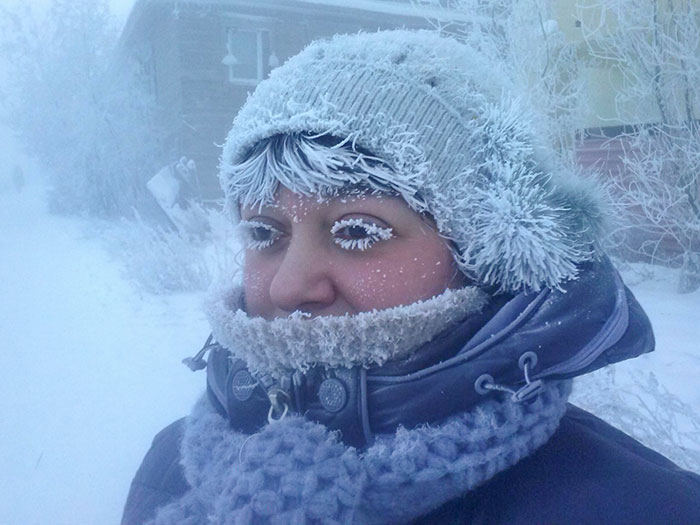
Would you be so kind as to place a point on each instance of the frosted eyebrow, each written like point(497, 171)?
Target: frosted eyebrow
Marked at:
point(353, 190)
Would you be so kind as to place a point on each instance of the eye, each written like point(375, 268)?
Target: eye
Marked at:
point(259, 235)
point(358, 234)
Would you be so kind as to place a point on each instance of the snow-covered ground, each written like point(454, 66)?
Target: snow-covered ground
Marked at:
point(91, 366)
point(90, 369)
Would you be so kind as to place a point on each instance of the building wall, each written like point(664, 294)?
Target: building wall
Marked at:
point(168, 87)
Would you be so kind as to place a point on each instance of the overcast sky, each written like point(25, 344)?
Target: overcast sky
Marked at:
point(119, 7)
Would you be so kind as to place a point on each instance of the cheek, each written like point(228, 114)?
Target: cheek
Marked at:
point(256, 285)
point(370, 286)
point(401, 277)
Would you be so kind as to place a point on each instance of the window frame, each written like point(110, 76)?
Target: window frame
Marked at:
point(260, 27)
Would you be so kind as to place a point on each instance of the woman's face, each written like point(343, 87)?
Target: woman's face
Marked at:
point(341, 255)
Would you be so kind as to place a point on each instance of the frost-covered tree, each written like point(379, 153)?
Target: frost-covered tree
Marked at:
point(525, 41)
point(654, 47)
point(85, 119)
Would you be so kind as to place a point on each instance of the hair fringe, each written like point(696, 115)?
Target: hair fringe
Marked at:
point(312, 164)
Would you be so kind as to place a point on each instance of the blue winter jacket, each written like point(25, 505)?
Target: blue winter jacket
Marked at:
point(588, 473)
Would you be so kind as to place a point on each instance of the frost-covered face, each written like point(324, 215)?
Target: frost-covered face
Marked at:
point(341, 255)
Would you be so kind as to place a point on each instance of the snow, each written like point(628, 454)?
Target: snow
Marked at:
point(676, 318)
point(91, 366)
point(90, 370)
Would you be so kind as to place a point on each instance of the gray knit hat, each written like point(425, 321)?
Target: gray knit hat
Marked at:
point(458, 140)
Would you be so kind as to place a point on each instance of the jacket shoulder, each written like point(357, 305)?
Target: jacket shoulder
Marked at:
point(160, 478)
point(588, 472)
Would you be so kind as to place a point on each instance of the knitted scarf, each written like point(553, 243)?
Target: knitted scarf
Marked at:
point(296, 471)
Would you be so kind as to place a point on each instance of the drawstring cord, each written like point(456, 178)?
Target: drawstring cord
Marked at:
point(197, 362)
point(530, 390)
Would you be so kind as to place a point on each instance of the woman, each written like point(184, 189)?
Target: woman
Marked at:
point(419, 286)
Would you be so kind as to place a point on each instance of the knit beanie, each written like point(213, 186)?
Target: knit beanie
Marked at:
point(458, 139)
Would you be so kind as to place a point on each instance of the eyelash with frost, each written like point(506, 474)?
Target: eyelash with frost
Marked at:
point(248, 226)
point(374, 234)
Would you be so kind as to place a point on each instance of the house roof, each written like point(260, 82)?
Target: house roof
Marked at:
point(426, 9)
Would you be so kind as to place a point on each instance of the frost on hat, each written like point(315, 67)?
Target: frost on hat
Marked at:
point(458, 140)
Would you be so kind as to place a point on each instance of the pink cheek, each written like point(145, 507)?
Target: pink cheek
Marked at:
point(368, 287)
point(382, 284)
point(406, 280)
point(256, 286)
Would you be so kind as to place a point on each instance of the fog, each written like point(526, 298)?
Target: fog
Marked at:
point(119, 8)
point(109, 239)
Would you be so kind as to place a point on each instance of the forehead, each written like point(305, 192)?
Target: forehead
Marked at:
point(288, 202)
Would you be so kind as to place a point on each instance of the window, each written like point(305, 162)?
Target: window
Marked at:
point(248, 55)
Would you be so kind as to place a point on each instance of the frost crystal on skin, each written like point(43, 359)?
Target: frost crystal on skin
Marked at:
point(373, 233)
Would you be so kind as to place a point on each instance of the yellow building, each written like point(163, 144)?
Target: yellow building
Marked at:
point(583, 22)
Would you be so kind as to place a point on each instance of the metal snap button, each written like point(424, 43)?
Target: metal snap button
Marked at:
point(242, 385)
point(332, 394)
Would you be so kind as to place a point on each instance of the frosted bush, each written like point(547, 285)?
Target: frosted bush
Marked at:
point(640, 406)
point(87, 118)
point(161, 260)
point(653, 48)
point(158, 260)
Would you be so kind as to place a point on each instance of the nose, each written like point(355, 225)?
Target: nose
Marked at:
point(303, 280)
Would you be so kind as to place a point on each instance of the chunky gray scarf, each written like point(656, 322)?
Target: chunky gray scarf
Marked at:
point(297, 471)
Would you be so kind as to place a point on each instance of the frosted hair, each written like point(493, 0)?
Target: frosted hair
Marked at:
point(310, 165)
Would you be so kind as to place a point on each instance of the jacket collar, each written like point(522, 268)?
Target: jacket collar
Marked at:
point(514, 345)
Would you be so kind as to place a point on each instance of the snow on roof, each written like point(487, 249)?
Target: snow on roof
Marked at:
point(418, 8)
point(427, 9)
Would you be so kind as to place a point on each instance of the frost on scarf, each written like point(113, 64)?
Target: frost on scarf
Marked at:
point(296, 471)
point(366, 338)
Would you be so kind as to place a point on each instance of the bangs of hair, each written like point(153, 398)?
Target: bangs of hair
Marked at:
point(312, 164)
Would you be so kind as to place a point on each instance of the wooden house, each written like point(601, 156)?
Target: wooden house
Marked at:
point(201, 58)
